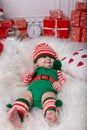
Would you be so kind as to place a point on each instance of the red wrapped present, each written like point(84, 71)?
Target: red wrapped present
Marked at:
point(79, 18)
point(79, 34)
point(3, 34)
point(81, 5)
point(6, 24)
point(56, 27)
point(57, 13)
point(21, 25)
point(18, 23)
point(83, 21)
point(4, 27)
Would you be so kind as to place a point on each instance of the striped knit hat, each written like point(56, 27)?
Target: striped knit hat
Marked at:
point(43, 49)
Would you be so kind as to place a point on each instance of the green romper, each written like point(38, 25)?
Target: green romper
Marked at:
point(39, 87)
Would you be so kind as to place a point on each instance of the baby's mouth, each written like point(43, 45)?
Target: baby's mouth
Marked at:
point(48, 62)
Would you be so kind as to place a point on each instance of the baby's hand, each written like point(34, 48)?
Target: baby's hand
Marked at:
point(57, 85)
point(27, 78)
point(32, 70)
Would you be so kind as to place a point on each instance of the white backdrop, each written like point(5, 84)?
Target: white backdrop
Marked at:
point(0, 4)
point(35, 8)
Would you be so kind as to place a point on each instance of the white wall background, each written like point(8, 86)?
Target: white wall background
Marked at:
point(35, 8)
point(0, 4)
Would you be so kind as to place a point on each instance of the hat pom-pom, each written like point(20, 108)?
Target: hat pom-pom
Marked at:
point(1, 47)
point(58, 103)
point(57, 65)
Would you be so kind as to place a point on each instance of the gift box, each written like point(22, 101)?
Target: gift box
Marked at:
point(57, 13)
point(21, 25)
point(79, 34)
point(11, 24)
point(56, 27)
point(81, 5)
point(83, 21)
point(79, 18)
point(4, 27)
point(3, 34)
point(6, 24)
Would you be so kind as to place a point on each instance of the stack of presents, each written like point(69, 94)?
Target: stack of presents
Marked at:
point(79, 22)
point(56, 24)
point(9, 26)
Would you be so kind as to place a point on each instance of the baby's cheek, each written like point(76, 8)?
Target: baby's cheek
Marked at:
point(52, 60)
point(52, 63)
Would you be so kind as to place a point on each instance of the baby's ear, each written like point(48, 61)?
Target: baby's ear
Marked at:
point(57, 65)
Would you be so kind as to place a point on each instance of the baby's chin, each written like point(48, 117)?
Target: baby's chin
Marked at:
point(45, 66)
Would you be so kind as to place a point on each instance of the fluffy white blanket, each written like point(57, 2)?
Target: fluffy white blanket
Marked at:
point(15, 61)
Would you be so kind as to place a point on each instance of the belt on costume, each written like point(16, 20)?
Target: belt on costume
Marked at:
point(43, 77)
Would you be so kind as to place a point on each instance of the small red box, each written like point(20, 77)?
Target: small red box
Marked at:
point(56, 13)
point(4, 27)
point(56, 27)
point(6, 24)
point(83, 22)
point(81, 5)
point(79, 18)
point(79, 34)
point(3, 34)
point(22, 26)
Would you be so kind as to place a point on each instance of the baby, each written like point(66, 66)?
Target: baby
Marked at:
point(44, 80)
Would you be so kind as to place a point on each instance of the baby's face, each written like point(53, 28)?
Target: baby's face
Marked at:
point(46, 62)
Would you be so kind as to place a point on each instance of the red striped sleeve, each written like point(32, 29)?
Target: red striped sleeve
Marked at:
point(27, 78)
point(61, 78)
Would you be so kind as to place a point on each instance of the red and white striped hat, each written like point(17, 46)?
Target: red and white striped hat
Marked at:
point(43, 49)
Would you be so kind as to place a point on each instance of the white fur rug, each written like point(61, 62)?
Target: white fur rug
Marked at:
point(15, 61)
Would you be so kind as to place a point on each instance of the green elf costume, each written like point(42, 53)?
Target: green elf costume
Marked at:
point(41, 81)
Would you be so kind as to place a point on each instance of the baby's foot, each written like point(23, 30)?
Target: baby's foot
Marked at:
point(14, 118)
point(51, 117)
